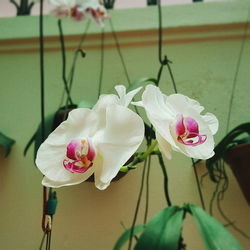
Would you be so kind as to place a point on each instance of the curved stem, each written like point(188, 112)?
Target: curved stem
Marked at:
point(198, 185)
point(101, 63)
point(64, 62)
point(164, 171)
point(137, 206)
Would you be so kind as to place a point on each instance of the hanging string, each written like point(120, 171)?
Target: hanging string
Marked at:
point(164, 171)
point(164, 61)
point(41, 42)
point(101, 63)
point(223, 182)
point(119, 50)
point(198, 184)
point(147, 191)
point(78, 52)
point(137, 204)
point(121, 57)
point(243, 41)
point(64, 62)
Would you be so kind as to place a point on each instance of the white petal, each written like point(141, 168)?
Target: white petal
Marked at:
point(154, 102)
point(140, 103)
point(50, 155)
point(122, 136)
point(158, 112)
point(182, 104)
point(125, 99)
point(104, 101)
point(212, 122)
point(121, 90)
point(56, 184)
point(164, 146)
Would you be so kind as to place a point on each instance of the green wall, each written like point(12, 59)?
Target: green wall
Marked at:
point(202, 40)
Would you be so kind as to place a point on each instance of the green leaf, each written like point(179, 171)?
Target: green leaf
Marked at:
point(6, 143)
point(126, 235)
point(215, 235)
point(139, 82)
point(163, 231)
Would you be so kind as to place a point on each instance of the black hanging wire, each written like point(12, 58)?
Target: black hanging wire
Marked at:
point(223, 182)
point(66, 87)
point(119, 50)
point(164, 171)
point(147, 191)
point(164, 61)
point(42, 104)
point(138, 204)
point(101, 62)
point(46, 225)
point(242, 46)
point(117, 44)
point(77, 52)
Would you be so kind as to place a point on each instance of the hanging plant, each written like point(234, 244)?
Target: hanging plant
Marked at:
point(234, 148)
point(6, 143)
point(151, 2)
point(24, 7)
point(109, 4)
point(164, 229)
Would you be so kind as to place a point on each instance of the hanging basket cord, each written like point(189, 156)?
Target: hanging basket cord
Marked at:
point(49, 205)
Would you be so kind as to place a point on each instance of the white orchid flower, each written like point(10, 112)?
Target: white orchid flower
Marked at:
point(96, 10)
point(98, 141)
point(179, 124)
point(68, 8)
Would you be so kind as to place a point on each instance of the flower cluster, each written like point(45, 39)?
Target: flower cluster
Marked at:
point(79, 9)
point(101, 140)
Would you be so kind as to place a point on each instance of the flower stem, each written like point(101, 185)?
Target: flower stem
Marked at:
point(149, 150)
point(141, 157)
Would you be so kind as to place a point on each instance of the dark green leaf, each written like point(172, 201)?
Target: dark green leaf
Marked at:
point(126, 235)
point(139, 82)
point(163, 231)
point(6, 143)
point(215, 235)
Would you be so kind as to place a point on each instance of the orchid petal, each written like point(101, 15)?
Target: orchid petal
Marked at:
point(164, 146)
point(51, 154)
point(212, 122)
point(73, 181)
point(125, 99)
point(139, 104)
point(121, 137)
point(182, 103)
point(153, 100)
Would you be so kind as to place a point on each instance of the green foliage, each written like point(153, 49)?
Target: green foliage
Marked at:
point(163, 231)
point(6, 143)
point(126, 235)
point(229, 141)
point(214, 235)
point(140, 82)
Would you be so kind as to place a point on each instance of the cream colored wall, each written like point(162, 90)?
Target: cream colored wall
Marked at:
point(204, 57)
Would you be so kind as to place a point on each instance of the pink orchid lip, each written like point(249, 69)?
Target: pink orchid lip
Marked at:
point(187, 130)
point(79, 156)
point(76, 13)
